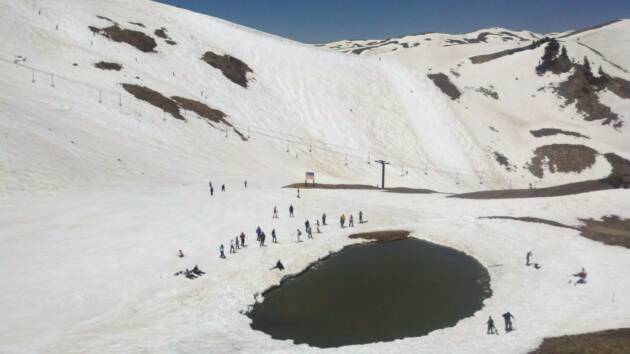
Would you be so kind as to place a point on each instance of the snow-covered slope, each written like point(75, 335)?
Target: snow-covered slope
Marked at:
point(104, 174)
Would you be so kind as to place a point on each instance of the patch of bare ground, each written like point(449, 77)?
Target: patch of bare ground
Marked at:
point(554, 62)
point(136, 39)
point(504, 161)
point(488, 92)
point(561, 158)
point(154, 98)
point(382, 236)
point(618, 178)
point(539, 133)
point(610, 230)
point(443, 82)
point(137, 24)
point(210, 114)
point(103, 65)
point(162, 33)
point(231, 67)
point(613, 341)
point(480, 59)
point(402, 190)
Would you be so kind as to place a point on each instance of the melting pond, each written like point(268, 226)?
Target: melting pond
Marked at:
point(374, 292)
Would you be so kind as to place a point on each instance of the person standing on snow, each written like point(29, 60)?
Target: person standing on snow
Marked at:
point(274, 239)
point(262, 239)
point(324, 219)
point(342, 220)
point(351, 221)
point(211, 191)
point(275, 212)
point(528, 257)
point(258, 232)
point(307, 224)
point(491, 328)
point(245, 183)
point(291, 210)
point(237, 243)
point(360, 217)
point(309, 232)
point(232, 249)
point(299, 233)
point(223, 188)
point(221, 251)
point(298, 192)
point(507, 317)
point(243, 239)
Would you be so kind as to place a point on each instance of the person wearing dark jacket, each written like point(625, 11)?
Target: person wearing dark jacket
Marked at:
point(291, 210)
point(491, 328)
point(507, 317)
point(278, 266)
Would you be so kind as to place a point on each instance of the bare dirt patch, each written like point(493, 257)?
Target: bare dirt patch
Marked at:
point(443, 82)
point(504, 161)
point(480, 59)
point(211, 114)
point(561, 158)
point(553, 62)
point(231, 67)
point(613, 341)
point(154, 98)
point(163, 33)
point(539, 133)
point(488, 92)
point(136, 39)
point(103, 65)
point(382, 236)
point(403, 190)
point(138, 24)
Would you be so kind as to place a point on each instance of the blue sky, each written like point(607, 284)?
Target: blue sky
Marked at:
point(319, 21)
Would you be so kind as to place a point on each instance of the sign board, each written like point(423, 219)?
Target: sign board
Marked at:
point(309, 176)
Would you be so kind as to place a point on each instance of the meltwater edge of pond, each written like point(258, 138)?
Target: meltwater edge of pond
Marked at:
point(374, 292)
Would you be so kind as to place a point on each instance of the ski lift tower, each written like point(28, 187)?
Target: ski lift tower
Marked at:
point(383, 163)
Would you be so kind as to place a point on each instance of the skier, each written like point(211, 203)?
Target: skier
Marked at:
point(507, 317)
point(351, 221)
point(237, 243)
point(299, 233)
point(223, 188)
point(275, 212)
point(243, 239)
point(528, 257)
point(221, 249)
point(274, 239)
point(360, 217)
point(291, 210)
point(342, 220)
point(278, 266)
point(491, 328)
point(232, 249)
point(324, 219)
point(262, 239)
point(180, 254)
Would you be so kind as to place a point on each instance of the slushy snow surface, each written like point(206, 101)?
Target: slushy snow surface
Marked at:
point(98, 197)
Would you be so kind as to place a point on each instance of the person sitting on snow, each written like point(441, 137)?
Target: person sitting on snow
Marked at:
point(180, 254)
point(278, 266)
point(582, 276)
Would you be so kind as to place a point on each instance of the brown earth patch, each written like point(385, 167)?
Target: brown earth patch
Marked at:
point(554, 131)
point(613, 341)
point(561, 158)
point(138, 24)
point(154, 98)
point(444, 83)
point(103, 65)
point(488, 92)
point(479, 59)
point(531, 219)
point(136, 39)
point(231, 67)
point(162, 33)
point(503, 161)
point(210, 114)
point(618, 178)
point(402, 190)
point(382, 236)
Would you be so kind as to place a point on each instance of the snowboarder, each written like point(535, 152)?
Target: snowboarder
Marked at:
point(274, 239)
point(221, 250)
point(232, 249)
point(299, 233)
point(491, 328)
point(342, 220)
point(278, 266)
point(291, 210)
point(180, 254)
point(275, 212)
point(360, 217)
point(242, 239)
point(528, 258)
point(298, 190)
point(507, 317)
point(324, 219)
point(223, 188)
point(262, 239)
point(351, 221)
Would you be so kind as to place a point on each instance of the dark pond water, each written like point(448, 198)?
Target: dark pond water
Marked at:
point(374, 292)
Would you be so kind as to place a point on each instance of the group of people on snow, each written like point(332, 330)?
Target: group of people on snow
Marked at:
point(507, 318)
point(222, 187)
